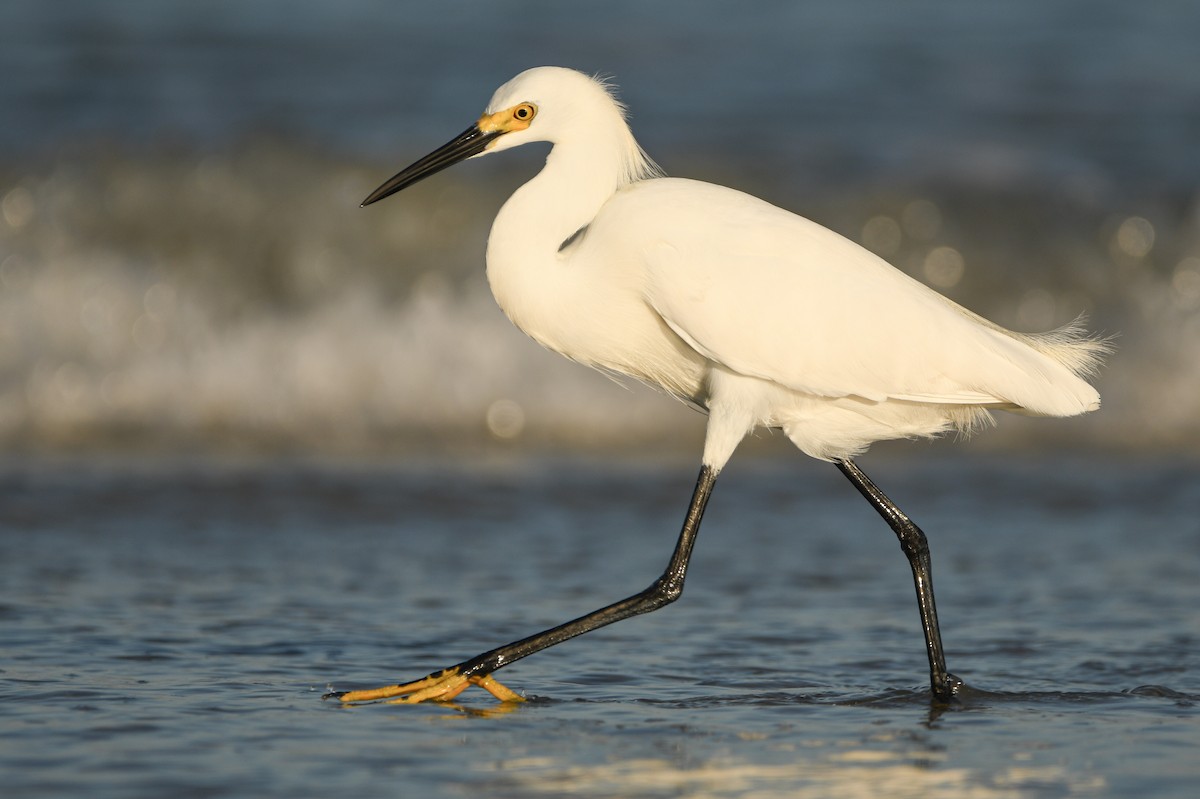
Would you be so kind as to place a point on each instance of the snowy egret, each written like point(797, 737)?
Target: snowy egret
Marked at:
point(747, 311)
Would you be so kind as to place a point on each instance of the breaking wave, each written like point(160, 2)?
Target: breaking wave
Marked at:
point(241, 300)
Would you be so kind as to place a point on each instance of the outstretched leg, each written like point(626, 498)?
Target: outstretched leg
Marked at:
point(944, 684)
point(448, 683)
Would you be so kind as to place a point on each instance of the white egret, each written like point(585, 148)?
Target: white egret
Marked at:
point(747, 311)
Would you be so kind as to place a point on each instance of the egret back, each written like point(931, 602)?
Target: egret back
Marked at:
point(775, 296)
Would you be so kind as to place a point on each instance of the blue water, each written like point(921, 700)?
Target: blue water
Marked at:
point(184, 265)
point(168, 628)
point(1107, 87)
point(259, 444)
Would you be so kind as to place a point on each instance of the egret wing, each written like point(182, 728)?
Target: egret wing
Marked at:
point(772, 295)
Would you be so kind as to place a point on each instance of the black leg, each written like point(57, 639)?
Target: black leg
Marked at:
point(663, 591)
point(944, 684)
point(447, 683)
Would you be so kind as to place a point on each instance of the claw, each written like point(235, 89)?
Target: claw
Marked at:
point(441, 686)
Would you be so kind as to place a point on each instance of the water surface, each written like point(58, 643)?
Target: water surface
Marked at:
point(167, 628)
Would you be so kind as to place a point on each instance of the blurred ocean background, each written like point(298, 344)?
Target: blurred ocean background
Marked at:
point(257, 443)
point(183, 262)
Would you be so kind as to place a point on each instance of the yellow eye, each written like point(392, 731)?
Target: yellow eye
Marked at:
point(524, 112)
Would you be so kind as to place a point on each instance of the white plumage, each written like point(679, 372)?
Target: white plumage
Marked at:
point(758, 315)
point(750, 312)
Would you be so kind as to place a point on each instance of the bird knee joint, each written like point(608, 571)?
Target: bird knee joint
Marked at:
point(914, 543)
point(664, 592)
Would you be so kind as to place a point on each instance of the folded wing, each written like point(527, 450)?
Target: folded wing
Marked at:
point(772, 295)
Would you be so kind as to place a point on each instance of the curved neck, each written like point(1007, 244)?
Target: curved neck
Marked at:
point(527, 265)
point(564, 197)
point(593, 155)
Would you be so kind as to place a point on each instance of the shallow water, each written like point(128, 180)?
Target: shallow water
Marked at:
point(167, 628)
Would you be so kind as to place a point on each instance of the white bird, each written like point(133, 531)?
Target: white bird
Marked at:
point(758, 316)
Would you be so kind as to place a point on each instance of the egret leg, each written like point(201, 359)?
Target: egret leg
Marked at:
point(450, 682)
point(912, 540)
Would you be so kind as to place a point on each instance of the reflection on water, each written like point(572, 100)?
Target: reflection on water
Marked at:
point(844, 775)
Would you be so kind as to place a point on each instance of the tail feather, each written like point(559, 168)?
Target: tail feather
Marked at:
point(1076, 351)
point(1072, 346)
point(1070, 349)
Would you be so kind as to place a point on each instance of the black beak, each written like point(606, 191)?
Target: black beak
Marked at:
point(471, 141)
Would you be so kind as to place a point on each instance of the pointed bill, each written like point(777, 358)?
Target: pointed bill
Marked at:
point(470, 142)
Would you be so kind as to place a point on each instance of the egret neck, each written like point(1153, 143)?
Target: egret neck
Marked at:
point(538, 229)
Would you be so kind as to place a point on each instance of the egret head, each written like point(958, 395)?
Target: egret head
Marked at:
point(549, 104)
point(541, 104)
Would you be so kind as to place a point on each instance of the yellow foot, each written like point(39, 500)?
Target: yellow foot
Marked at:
point(441, 686)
